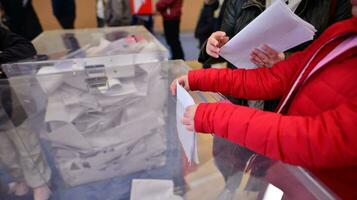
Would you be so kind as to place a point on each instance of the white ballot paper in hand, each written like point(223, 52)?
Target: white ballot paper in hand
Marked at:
point(277, 26)
point(187, 138)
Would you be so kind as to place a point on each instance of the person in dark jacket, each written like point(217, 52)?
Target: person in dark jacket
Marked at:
point(65, 12)
point(19, 145)
point(239, 13)
point(171, 13)
point(21, 18)
point(206, 22)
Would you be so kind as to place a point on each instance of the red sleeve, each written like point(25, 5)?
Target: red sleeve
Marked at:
point(325, 140)
point(256, 84)
point(162, 5)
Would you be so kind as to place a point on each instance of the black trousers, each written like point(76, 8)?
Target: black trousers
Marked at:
point(172, 36)
point(65, 12)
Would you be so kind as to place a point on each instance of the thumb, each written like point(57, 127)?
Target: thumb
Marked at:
point(219, 34)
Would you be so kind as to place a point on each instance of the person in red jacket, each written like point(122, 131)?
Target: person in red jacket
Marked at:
point(316, 123)
point(171, 14)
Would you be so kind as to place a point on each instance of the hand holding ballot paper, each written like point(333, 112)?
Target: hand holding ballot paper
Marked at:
point(187, 138)
point(277, 26)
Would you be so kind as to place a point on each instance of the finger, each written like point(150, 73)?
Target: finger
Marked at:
point(185, 121)
point(252, 59)
point(190, 127)
point(173, 88)
point(222, 41)
point(225, 39)
point(213, 42)
point(257, 57)
point(186, 114)
point(214, 49)
point(261, 55)
point(214, 55)
point(213, 52)
point(269, 51)
point(257, 62)
point(181, 81)
point(281, 56)
point(219, 34)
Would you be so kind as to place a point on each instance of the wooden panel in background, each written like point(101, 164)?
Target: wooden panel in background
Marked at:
point(86, 15)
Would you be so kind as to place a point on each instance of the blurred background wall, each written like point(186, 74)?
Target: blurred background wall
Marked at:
point(86, 15)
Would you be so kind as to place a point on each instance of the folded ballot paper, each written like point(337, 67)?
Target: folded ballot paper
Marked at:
point(187, 138)
point(277, 27)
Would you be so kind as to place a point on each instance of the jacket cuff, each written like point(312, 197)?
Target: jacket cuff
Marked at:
point(193, 77)
point(200, 120)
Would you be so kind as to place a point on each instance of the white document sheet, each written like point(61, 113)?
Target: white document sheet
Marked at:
point(187, 138)
point(273, 193)
point(57, 111)
point(59, 67)
point(277, 27)
point(137, 5)
point(151, 189)
point(68, 135)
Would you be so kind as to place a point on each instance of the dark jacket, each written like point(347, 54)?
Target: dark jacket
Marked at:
point(206, 23)
point(239, 13)
point(21, 19)
point(13, 48)
point(170, 9)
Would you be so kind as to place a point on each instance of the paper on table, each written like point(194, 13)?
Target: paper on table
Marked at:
point(277, 27)
point(187, 138)
point(151, 189)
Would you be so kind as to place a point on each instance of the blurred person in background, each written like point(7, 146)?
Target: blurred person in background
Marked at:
point(20, 150)
point(206, 21)
point(239, 13)
point(171, 11)
point(100, 13)
point(20, 17)
point(142, 13)
point(65, 12)
point(145, 20)
point(117, 13)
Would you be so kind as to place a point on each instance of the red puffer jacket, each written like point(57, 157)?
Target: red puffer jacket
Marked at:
point(170, 9)
point(318, 126)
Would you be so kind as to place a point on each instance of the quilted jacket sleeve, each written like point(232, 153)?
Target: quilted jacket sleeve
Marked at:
point(325, 140)
point(257, 84)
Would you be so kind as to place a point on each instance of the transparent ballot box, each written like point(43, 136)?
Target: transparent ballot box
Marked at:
point(80, 43)
point(111, 133)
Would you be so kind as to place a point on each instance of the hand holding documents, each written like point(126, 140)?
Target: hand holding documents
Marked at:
point(187, 138)
point(277, 27)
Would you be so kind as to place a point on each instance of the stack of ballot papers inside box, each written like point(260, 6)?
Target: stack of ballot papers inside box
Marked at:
point(127, 45)
point(113, 130)
point(277, 26)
